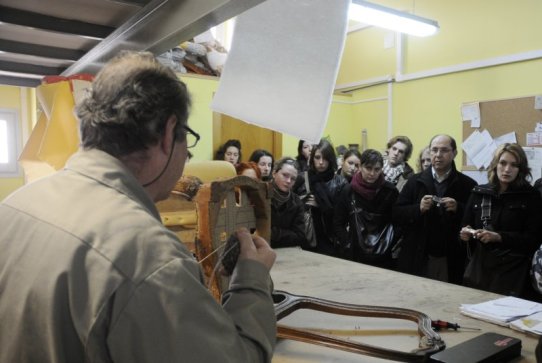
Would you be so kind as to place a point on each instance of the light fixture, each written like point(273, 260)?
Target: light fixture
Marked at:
point(392, 19)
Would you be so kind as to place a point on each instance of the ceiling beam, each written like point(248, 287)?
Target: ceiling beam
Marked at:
point(52, 23)
point(131, 2)
point(19, 81)
point(45, 51)
point(30, 68)
point(160, 26)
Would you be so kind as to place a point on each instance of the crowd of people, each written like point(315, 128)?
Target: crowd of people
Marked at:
point(121, 278)
point(436, 222)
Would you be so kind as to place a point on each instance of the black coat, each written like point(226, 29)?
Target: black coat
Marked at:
point(343, 218)
point(516, 215)
point(287, 224)
point(436, 232)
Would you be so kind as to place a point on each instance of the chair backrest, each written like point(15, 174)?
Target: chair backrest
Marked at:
point(179, 212)
point(210, 170)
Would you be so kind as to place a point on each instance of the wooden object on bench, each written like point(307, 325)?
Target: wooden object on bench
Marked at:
point(178, 212)
point(222, 207)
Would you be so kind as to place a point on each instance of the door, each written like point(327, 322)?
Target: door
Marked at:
point(251, 137)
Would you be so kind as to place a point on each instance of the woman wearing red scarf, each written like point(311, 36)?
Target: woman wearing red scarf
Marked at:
point(370, 192)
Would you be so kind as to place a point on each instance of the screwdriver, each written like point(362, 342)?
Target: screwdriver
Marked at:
point(439, 324)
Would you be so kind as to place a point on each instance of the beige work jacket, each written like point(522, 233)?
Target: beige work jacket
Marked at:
point(88, 273)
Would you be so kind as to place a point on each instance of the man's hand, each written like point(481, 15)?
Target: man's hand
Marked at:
point(450, 204)
point(255, 248)
point(426, 203)
point(466, 233)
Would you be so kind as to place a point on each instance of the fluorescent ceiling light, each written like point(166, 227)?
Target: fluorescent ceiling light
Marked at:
point(392, 19)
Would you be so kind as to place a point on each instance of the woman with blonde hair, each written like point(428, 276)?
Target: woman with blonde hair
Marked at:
point(502, 225)
point(424, 159)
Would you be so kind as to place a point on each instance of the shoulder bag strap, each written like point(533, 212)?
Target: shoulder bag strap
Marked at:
point(486, 211)
point(307, 184)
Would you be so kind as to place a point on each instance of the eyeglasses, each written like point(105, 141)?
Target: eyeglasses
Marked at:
point(192, 137)
point(443, 150)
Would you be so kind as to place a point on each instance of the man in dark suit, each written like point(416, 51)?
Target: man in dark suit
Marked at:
point(430, 209)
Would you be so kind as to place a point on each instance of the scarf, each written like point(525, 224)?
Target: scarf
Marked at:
point(366, 190)
point(392, 173)
point(279, 197)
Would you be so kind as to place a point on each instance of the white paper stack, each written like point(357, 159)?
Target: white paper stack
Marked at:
point(530, 324)
point(501, 311)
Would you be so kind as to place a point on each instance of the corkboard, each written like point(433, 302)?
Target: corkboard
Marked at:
point(503, 116)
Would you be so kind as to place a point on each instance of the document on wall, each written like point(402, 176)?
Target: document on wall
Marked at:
point(503, 139)
point(471, 112)
point(534, 157)
point(479, 147)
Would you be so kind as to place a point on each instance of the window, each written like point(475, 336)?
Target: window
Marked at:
point(9, 143)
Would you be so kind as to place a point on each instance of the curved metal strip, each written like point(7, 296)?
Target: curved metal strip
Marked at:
point(286, 303)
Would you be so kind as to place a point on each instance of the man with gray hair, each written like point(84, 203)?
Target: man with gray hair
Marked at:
point(88, 273)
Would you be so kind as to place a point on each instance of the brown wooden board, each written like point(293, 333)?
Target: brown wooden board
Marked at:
point(500, 117)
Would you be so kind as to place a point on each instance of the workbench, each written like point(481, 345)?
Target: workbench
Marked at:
point(305, 273)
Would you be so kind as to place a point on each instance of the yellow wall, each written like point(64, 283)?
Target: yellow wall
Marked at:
point(424, 107)
point(201, 117)
point(470, 31)
point(10, 97)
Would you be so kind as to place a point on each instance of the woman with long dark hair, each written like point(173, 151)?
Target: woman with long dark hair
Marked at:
point(323, 187)
point(502, 224)
point(264, 160)
point(230, 151)
point(371, 194)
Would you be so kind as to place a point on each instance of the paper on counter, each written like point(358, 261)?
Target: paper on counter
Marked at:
point(283, 64)
point(503, 310)
point(531, 323)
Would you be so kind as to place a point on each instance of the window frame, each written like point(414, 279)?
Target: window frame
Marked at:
point(11, 168)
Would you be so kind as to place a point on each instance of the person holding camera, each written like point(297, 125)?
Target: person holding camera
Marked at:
point(430, 209)
point(502, 226)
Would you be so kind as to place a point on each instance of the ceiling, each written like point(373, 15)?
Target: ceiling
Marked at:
point(65, 37)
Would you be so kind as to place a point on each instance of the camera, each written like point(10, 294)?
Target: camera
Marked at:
point(436, 200)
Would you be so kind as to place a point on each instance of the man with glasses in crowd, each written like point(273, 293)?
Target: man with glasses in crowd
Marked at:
point(430, 209)
point(88, 273)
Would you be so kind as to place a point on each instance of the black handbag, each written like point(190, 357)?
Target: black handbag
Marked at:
point(495, 269)
point(374, 236)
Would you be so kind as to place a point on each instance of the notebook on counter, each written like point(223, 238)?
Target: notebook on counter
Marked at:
point(513, 312)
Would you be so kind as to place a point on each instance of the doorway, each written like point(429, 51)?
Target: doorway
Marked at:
point(251, 137)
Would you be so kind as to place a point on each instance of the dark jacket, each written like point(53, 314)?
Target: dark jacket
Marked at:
point(287, 224)
point(516, 215)
point(325, 194)
point(436, 231)
point(403, 178)
point(382, 204)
